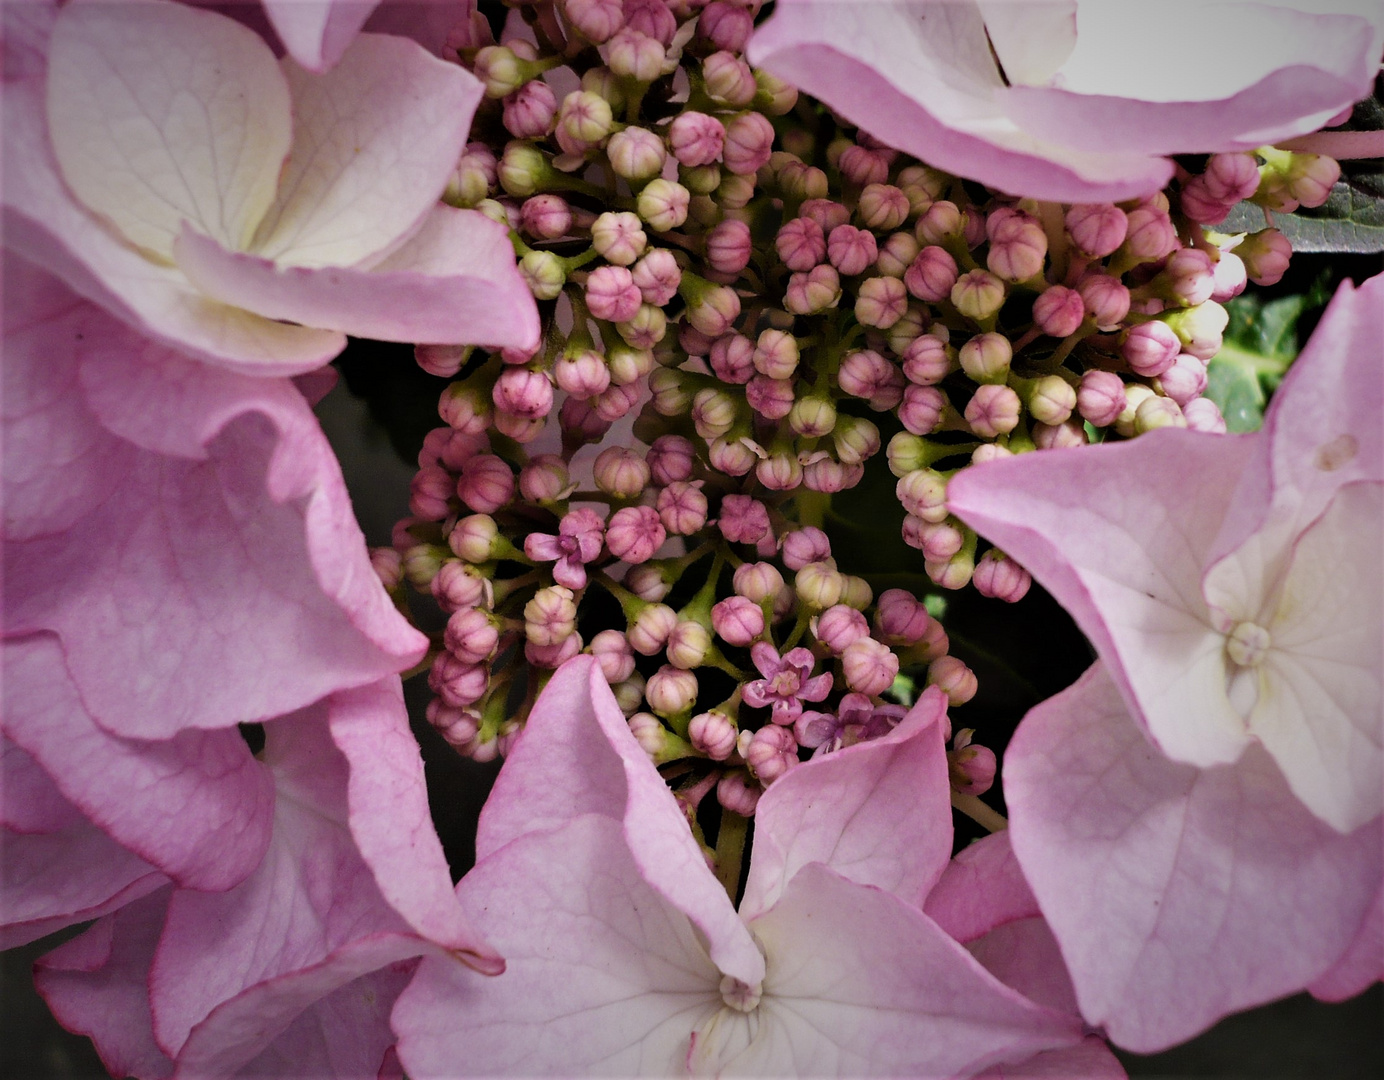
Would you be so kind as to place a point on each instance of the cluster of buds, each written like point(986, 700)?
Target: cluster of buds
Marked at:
point(759, 303)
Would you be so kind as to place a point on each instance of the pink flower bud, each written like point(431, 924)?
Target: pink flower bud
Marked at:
point(544, 274)
point(939, 540)
point(555, 655)
point(612, 652)
point(1310, 178)
point(1097, 229)
point(1151, 234)
point(621, 472)
point(926, 361)
point(486, 483)
point(611, 294)
point(923, 493)
point(551, 616)
point(757, 581)
point(650, 630)
point(470, 635)
point(776, 354)
point(671, 691)
point(737, 620)
point(827, 214)
point(1001, 578)
point(465, 409)
point(457, 682)
point(731, 456)
point(921, 409)
point(940, 222)
point(866, 374)
point(618, 238)
point(1058, 311)
point(743, 520)
point(725, 25)
point(882, 207)
point(1188, 276)
point(713, 734)
point(1203, 414)
point(729, 79)
point(1018, 244)
point(737, 792)
point(780, 471)
point(472, 538)
point(770, 398)
point(583, 120)
point(456, 585)
point(1105, 298)
point(953, 678)
point(986, 357)
point(1228, 178)
point(499, 69)
point(1266, 255)
point(863, 166)
point(993, 411)
point(880, 302)
point(896, 255)
point(649, 733)
point(812, 417)
point(688, 645)
point(819, 585)
point(1067, 434)
point(978, 295)
point(901, 618)
point(802, 546)
point(732, 358)
point(657, 275)
point(771, 753)
point(579, 421)
point(1184, 380)
point(615, 401)
point(749, 142)
point(646, 329)
point(828, 476)
point(636, 154)
point(595, 20)
point(670, 459)
point(682, 508)
point(851, 250)
point(633, 55)
point(545, 216)
point(713, 310)
point(530, 111)
point(801, 244)
point(972, 769)
point(663, 204)
point(1149, 349)
point(388, 565)
point(696, 138)
point(629, 695)
point(839, 627)
point(582, 373)
point(1228, 278)
point(869, 666)
point(653, 18)
point(430, 492)
point(728, 247)
point(635, 533)
point(932, 275)
point(1200, 329)
point(444, 361)
point(457, 725)
point(815, 291)
point(523, 392)
point(1157, 412)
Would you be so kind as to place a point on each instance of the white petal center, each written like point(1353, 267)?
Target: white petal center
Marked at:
point(1247, 643)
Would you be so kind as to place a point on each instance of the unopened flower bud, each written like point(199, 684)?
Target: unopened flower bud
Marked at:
point(612, 652)
point(546, 217)
point(629, 695)
point(897, 254)
point(1200, 329)
point(954, 573)
point(649, 631)
point(744, 520)
point(926, 361)
point(1105, 299)
point(713, 734)
point(621, 472)
point(737, 620)
point(800, 244)
point(1135, 395)
point(663, 204)
point(543, 273)
point(551, 616)
point(1203, 414)
point(635, 533)
point(901, 618)
point(649, 733)
point(1001, 578)
point(932, 275)
point(1101, 398)
point(840, 626)
point(1067, 434)
point(636, 154)
point(651, 17)
point(728, 247)
point(470, 635)
point(880, 302)
point(500, 70)
point(682, 508)
point(1188, 276)
point(671, 691)
point(486, 483)
point(430, 493)
point(864, 373)
point(862, 165)
point(475, 177)
point(726, 25)
point(1151, 234)
point(993, 411)
point(731, 456)
point(953, 678)
point(657, 276)
point(670, 459)
point(1097, 229)
point(772, 751)
point(728, 79)
point(457, 682)
point(646, 329)
point(696, 138)
point(986, 357)
point(595, 20)
point(749, 142)
point(978, 295)
point(852, 251)
point(1310, 177)
point(921, 409)
point(939, 223)
point(1051, 399)
point(1157, 412)
point(1149, 348)
point(712, 309)
point(819, 585)
point(522, 169)
point(815, 291)
point(1058, 311)
point(775, 97)
point(618, 237)
point(882, 207)
point(870, 666)
point(530, 111)
point(688, 645)
point(611, 294)
point(1018, 244)
point(738, 792)
point(779, 471)
point(473, 538)
point(1266, 255)
point(636, 56)
point(1184, 380)
point(1229, 278)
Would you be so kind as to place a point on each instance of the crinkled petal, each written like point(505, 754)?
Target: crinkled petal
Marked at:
point(577, 755)
point(1120, 538)
point(160, 114)
point(878, 813)
point(231, 516)
point(981, 889)
point(234, 968)
point(920, 77)
point(766, 658)
point(317, 32)
point(374, 142)
point(45, 225)
point(861, 983)
point(197, 806)
point(455, 281)
point(1178, 894)
point(604, 976)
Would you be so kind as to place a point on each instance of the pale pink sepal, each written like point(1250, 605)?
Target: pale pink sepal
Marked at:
point(1363, 962)
point(577, 755)
point(317, 32)
point(197, 806)
point(231, 512)
point(1178, 894)
point(1089, 1059)
point(982, 888)
point(453, 281)
point(877, 813)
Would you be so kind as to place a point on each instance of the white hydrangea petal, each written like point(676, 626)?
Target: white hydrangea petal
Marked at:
point(160, 114)
point(1032, 39)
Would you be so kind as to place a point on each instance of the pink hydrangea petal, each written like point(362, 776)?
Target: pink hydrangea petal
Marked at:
point(1024, 954)
point(1362, 963)
point(24, 33)
point(454, 281)
point(1032, 40)
point(44, 224)
point(569, 573)
point(878, 813)
point(577, 755)
point(317, 32)
point(922, 80)
point(604, 974)
point(233, 513)
point(1089, 1059)
point(864, 984)
point(375, 140)
point(766, 658)
point(198, 807)
point(542, 547)
point(1178, 894)
point(981, 889)
point(1116, 534)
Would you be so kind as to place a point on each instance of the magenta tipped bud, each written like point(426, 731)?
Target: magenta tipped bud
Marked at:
point(657, 276)
point(1001, 578)
point(612, 652)
point(728, 247)
point(663, 204)
point(688, 645)
point(1018, 245)
point(530, 112)
point(1149, 348)
point(801, 244)
point(670, 459)
point(1058, 311)
point(839, 627)
point(869, 666)
point(813, 292)
point(636, 154)
point(713, 734)
point(635, 533)
point(868, 375)
point(621, 472)
point(743, 520)
point(993, 411)
point(737, 620)
point(1266, 255)
point(772, 751)
point(880, 302)
point(882, 207)
point(486, 483)
point(729, 79)
point(932, 275)
point(852, 251)
point(748, 144)
point(1097, 229)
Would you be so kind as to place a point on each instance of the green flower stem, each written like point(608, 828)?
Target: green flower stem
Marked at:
point(977, 811)
point(730, 851)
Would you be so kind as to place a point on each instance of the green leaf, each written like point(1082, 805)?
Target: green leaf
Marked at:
point(1351, 220)
point(1261, 341)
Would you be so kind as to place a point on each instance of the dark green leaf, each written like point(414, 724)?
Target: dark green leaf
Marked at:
point(1261, 340)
